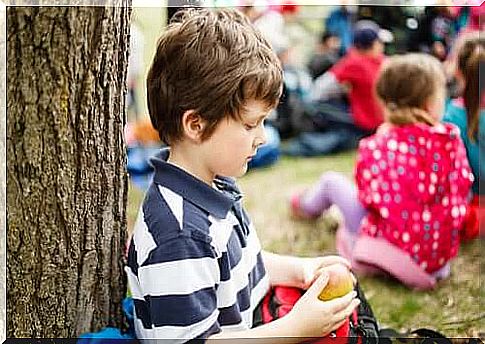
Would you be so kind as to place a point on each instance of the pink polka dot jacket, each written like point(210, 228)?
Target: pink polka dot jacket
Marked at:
point(415, 180)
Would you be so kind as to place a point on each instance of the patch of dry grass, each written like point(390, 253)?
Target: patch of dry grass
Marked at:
point(454, 308)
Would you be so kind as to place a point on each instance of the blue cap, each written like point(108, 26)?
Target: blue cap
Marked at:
point(367, 31)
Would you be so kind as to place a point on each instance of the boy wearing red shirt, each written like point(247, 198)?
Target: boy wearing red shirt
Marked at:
point(342, 125)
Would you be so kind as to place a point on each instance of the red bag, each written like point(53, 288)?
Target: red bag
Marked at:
point(280, 300)
point(474, 217)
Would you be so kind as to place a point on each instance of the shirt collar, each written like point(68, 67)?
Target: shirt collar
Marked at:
point(193, 189)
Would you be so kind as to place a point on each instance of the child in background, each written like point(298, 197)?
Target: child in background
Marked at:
point(413, 182)
point(345, 107)
point(467, 112)
point(195, 265)
point(326, 54)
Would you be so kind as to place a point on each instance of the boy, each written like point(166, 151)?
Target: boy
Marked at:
point(357, 72)
point(353, 77)
point(195, 266)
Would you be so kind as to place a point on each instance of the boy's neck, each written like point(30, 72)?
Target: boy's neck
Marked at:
point(369, 52)
point(183, 158)
point(375, 50)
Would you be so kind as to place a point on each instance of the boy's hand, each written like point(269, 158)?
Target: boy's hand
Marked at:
point(312, 268)
point(311, 317)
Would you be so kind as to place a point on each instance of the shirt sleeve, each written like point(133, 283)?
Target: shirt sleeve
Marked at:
point(178, 284)
point(463, 174)
point(326, 87)
point(363, 174)
point(481, 152)
point(345, 71)
point(457, 117)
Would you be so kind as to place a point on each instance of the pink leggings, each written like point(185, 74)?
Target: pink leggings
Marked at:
point(335, 188)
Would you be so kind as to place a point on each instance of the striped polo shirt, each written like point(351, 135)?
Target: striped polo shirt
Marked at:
point(194, 263)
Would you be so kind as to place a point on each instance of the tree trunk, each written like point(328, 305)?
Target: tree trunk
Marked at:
point(66, 178)
point(3, 277)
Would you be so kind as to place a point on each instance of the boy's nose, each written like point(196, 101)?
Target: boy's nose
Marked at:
point(261, 136)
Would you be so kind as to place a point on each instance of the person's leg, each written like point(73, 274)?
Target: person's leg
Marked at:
point(443, 273)
point(334, 188)
point(331, 115)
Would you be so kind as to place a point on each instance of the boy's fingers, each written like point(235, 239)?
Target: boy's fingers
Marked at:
point(319, 284)
point(316, 275)
point(354, 279)
point(347, 310)
point(340, 303)
point(338, 325)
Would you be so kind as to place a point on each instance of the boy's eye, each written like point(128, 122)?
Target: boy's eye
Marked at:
point(250, 126)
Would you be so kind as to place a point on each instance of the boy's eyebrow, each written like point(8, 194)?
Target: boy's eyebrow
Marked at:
point(260, 117)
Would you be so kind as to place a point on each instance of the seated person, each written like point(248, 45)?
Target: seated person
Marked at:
point(196, 269)
point(404, 213)
point(326, 54)
point(354, 76)
point(292, 116)
point(468, 113)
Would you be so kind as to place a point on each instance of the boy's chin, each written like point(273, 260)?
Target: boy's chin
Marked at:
point(241, 172)
point(236, 174)
point(245, 169)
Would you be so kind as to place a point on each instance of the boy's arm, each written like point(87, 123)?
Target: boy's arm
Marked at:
point(283, 270)
point(309, 318)
point(296, 272)
point(175, 294)
point(327, 87)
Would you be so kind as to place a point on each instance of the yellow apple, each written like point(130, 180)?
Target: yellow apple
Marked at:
point(340, 282)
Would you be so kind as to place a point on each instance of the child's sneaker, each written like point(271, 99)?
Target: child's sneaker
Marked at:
point(295, 208)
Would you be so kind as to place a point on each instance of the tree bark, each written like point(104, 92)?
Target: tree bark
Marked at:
point(3, 166)
point(66, 178)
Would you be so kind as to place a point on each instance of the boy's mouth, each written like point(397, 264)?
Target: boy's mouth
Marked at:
point(252, 155)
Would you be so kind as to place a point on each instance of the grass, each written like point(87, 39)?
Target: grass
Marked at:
point(454, 308)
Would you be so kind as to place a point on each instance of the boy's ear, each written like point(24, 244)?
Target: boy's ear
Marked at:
point(193, 125)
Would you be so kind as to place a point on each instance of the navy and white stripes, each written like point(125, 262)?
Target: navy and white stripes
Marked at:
point(194, 264)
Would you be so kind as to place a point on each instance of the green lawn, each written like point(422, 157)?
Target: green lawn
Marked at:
point(455, 307)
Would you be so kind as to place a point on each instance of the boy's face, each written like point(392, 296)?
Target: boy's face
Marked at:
point(378, 47)
point(234, 142)
point(333, 43)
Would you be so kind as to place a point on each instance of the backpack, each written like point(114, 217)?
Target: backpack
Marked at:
point(360, 328)
point(293, 113)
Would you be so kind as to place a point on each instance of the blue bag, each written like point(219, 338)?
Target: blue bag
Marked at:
point(111, 335)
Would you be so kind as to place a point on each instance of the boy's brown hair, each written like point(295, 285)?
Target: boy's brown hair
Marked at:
point(406, 82)
point(211, 62)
